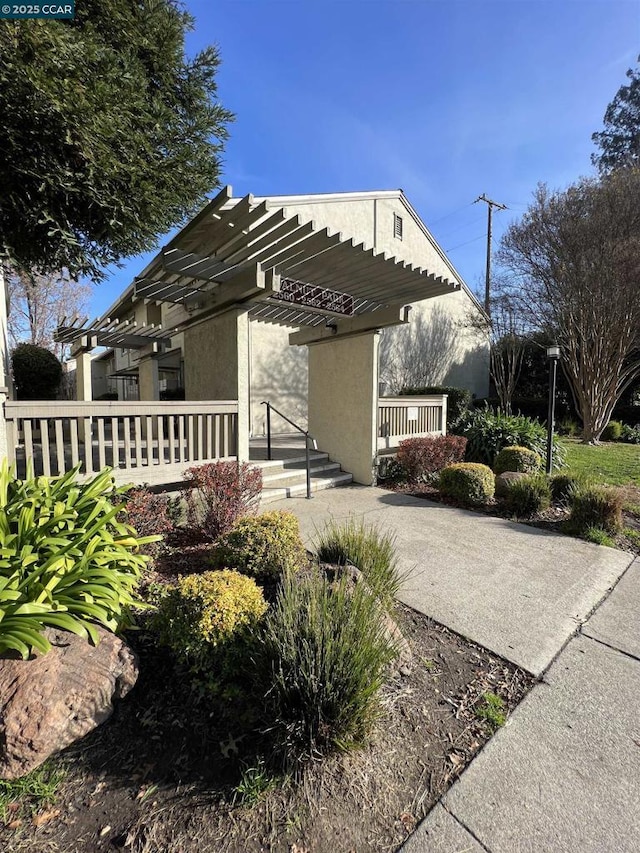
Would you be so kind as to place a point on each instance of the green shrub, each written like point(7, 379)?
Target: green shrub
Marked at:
point(421, 458)
point(368, 549)
point(201, 616)
point(630, 434)
point(568, 426)
point(488, 432)
point(527, 496)
point(37, 373)
point(65, 559)
point(264, 546)
point(323, 659)
point(468, 482)
point(612, 431)
point(458, 399)
point(519, 459)
point(564, 486)
point(596, 506)
point(220, 493)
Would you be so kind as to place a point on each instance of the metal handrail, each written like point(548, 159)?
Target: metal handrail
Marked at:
point(305, 432)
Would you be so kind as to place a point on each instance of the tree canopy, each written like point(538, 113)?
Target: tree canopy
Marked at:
point(110, 135)
point(575, 255)
point(619, 141)
point(37, 373)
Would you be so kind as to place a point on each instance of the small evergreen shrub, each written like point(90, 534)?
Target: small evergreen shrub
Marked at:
point(527, 496)
point(220, 493)
point(149, 515)
point(458, 399)
point(202, 616)
point(265, 546)
point(323, 658)
point(487, 432)
point(612, 431)
point(564, 486)
point(421, 458)
point(468, 482)
point(630, 434)
point(596, 506)
point(369, 550)
point(568, 426)
point(519, 459)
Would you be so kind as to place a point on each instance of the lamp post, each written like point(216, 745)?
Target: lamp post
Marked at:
point(553, 354)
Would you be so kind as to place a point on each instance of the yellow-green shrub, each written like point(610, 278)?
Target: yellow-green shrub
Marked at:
point(596, 507)
point(519, 459)
point(263, 546)
point(202, 614)
point(469, 482)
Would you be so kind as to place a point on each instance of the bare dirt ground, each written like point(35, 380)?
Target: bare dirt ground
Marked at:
point(170, 772)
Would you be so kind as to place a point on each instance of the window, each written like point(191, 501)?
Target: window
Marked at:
point(397, 226)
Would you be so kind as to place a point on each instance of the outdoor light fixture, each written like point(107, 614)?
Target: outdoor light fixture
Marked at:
point(553, 354)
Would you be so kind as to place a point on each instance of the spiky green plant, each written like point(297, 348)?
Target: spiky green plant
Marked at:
point(65, 560)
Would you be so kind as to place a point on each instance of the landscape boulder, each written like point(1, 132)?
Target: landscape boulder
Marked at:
point(506, 480)
point(52, 700)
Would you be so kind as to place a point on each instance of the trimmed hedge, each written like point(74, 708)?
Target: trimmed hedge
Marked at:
point(519, 459)
point(421, 457)
point(469, 482)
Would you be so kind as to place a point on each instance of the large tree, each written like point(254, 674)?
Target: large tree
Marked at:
point(38, 302)
point(619, 141)
point(576, 255)
point(109, 135)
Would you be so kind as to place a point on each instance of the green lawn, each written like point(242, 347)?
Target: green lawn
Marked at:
point(613, 463)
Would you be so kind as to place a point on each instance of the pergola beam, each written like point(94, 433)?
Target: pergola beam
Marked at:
point(370, 322)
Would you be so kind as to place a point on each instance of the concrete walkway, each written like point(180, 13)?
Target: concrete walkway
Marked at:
point(564, 775)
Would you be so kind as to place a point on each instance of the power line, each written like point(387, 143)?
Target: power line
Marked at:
point(460, 245)
point(447, 215)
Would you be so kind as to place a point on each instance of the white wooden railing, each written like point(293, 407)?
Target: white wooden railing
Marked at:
point(143, 442)
point(409, 417)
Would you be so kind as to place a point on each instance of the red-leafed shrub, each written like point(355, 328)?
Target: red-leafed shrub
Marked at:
point(148, 513)
point(220, 493)
point(421, 458)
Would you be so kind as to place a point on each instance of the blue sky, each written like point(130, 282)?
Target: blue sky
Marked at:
point(446, 99)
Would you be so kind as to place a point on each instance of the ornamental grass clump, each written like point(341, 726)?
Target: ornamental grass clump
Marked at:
point(369, 549)
point(596, 507)
point(519, 459)
point(470, 483)
point(527, 496)
point(66, 561)
point(264, 546)
point(323, 659)
point(220, 493)
point(564, 487)
point(202, 617)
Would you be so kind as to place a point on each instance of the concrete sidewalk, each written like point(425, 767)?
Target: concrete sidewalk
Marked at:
point(564, 774)
point(514, 589)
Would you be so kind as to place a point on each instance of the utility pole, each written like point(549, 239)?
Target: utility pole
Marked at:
point(487, 285)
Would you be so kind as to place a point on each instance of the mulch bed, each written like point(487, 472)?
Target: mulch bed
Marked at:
point(162, 773)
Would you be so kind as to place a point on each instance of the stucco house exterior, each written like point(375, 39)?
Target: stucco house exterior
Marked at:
point(318, 303)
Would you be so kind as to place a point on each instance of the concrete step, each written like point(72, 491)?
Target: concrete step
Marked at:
point(293, 476)
point(299, 490)
point(275, 466)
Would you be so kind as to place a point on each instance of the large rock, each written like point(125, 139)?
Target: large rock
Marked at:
point(506, 480)
point(52, 700)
